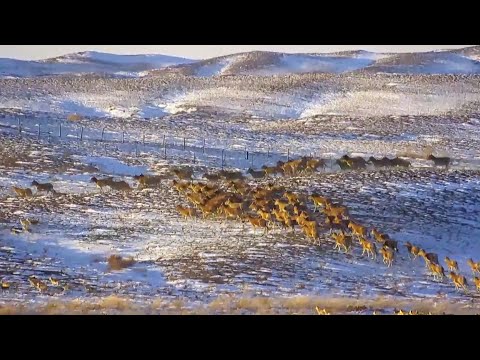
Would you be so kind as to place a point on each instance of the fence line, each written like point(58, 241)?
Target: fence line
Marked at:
point(61, 130)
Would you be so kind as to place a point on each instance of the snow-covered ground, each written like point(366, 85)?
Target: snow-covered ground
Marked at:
point(131, 126)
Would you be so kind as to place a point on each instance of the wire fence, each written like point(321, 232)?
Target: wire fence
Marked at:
point(237, 154)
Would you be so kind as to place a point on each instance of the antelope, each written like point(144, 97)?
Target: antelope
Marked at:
point(120, 186)
point(211, 177)
point(342, 240)
point(291, 197)
point(388, 256)
point(379, 163)
point(232, 212)
point(38, 284)
point(459, 281)
point(412, 250)
point(183, 174)
point(452, 264)
point(180, 186)
point(368, 247)
point(270, 170)
point(476, 280)
point(440, 161)
point(314, 164)
point(24, 193)
point(231, 175)
point(400, 162)
point(336, 224)
point(234, 205)
point(281, 204)
point(186, 212)
point(47, 187)
point(318, 201)
point(392, 244)
point(378, 236)
point(148, 180)
point(256, 174)
point(428, 257)
point(357, 229)
point(257, 222)
point(101, 183)
point(475, 266)
point(437, 270)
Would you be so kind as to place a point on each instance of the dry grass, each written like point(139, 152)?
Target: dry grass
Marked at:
point(116, 262)
point(243, 305)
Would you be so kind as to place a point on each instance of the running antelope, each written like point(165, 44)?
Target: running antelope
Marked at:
point(378, 236)
point(476, 280)
point(412, 250)
point(357, 229)
point(291, 197)
point(148, 180)
point(318, 201)
point(256, 174)
point(257, 222)
point(47, 187)
point(38, 284)
point(440, 161)
point(101, 183)
point(388, 255)
point(436, 270)
point(368, 247)
point(452, 264)
point(459, 281)
point(120, 186)
point(342, 241)
point(180, 186)
point(183, 174)
point(24, 193)
point(428, 257)
point(186, 212)
point(475, 266)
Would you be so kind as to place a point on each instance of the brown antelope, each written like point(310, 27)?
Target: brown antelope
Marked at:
point(183, 174)
point(392, 244)
point(281, 204)
point(291, 197)
point(196, 199)
point(234, 205)
point(256, 174)
point(265, 216)
point(180, 186)
point(388, 255)
point(101, 183)
point(120, 186)
point(231, 175)
point(207, 209)
point(148, 180)
point(379, 163)
point(47, 187)
point(336, 224)
point(336, 211)
point(211, 177)
point(436, 270)
point(186, 212)
point(440, 161)
point(270, 170)
point(378, 236)
point(400, 162)
point(368, 247)
point(342, 241)
point(234, 213)
point(412, 250)
point(357, 229)
point(38, 284)
point(318, 201)
point(428, 257)
point(459, 281)
point(476, 281)
point(313, 164)
point(257, 222)
point(24, 193)
point(475, 266)
point(452, 264)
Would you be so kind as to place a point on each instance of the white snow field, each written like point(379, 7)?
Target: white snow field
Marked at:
point(65, 129)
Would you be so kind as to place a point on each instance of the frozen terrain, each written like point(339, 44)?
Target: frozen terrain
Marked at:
point(66, 126)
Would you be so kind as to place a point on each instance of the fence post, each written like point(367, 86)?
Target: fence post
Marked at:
point(246, 153)
point(194, 158)
point(38, 131)
point(164, 140)
point(60, 130)
point(19, 126)
point(164, 148)
point(123, 137)
point(268, 151)
point(204, 146)
point(136, 148)
point(288, 154)
point(184, 144)
point(103, 133)
point(81, 134)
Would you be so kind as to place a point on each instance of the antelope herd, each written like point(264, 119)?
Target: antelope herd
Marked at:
point(226, 195)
